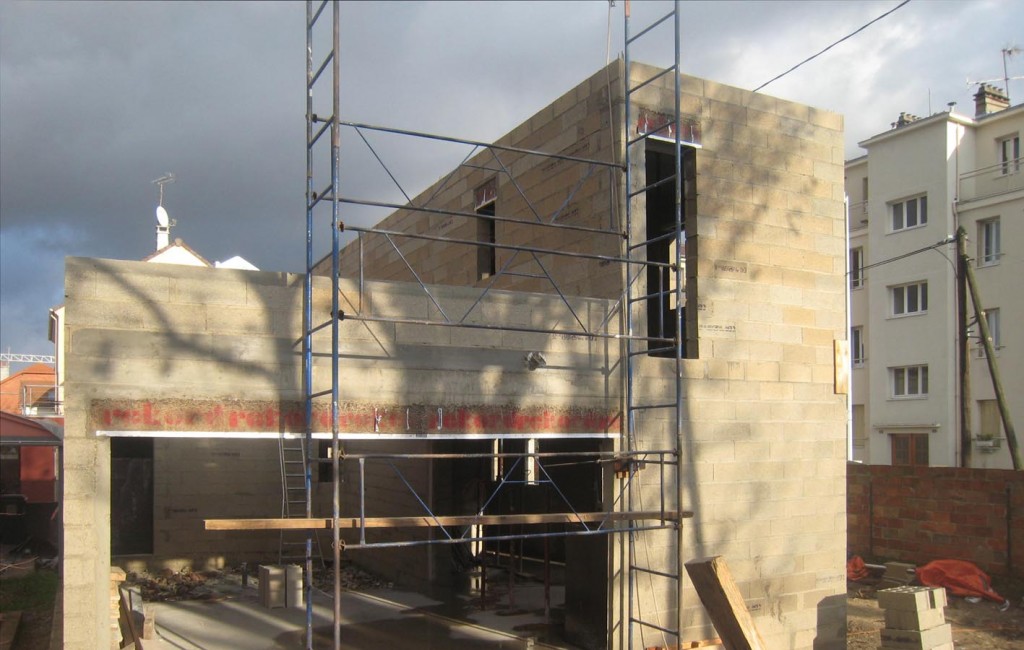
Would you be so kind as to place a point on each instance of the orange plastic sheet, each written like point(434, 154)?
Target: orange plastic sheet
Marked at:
point(959, 577)
point(855, 569)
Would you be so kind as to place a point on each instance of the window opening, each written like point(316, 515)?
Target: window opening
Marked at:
point(484, 198)
point(909, 449)
point(910, 213)
point(991, 425)
point(992, 316)
point(1009, 155)
point(857, 345)
point(989, 242)
point(661, 247)
point(909, 299)
point(857, 267)
point(909, 381)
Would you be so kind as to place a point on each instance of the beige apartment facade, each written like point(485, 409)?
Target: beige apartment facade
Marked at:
point(918, 183)
point(210, 353)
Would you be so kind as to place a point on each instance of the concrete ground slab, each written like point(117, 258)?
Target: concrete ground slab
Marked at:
point(382, 619)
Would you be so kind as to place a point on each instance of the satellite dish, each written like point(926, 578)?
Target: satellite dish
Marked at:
point(161, 216)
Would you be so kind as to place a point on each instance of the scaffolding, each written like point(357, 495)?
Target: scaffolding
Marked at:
point(626, 515)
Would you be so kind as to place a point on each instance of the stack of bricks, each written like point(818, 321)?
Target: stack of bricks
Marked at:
point(914, 619)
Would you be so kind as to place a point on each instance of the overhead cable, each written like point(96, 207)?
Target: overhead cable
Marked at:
point(850, 35)
point(944, 242)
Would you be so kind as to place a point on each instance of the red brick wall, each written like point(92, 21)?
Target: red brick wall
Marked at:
point(919, 514)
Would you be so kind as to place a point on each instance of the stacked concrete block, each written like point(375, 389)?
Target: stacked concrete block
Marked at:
point(281, 586)
point(914, 619)
point(272, 586)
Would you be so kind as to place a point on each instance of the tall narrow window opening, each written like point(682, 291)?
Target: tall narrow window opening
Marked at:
point(857, 351)
point(989, 244)
point(484, 199)
point(1009, 155)
point(661, 247)
point(856, 267)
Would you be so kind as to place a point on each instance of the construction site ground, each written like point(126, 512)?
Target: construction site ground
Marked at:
point(213, 611)
point(976, 626)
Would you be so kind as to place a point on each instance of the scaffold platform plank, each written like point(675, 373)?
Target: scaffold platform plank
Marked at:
point(447, 520)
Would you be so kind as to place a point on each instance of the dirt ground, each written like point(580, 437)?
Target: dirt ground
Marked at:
point(976, 626)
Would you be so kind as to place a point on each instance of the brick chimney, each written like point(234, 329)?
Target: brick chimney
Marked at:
point(989, 99)
point(905, 119)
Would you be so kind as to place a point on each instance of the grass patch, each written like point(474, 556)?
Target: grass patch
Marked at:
point(37, 589)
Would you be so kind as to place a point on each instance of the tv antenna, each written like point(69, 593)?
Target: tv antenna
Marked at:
point(163, 221)
point(1008, 52)
point(160, 182)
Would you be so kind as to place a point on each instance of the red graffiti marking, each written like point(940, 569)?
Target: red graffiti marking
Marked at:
point(227, 417)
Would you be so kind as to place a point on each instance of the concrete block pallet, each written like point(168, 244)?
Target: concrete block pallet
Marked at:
point(914, 619)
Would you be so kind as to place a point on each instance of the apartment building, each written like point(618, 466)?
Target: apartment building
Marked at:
point(917, 183)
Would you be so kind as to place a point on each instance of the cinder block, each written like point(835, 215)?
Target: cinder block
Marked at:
point(293, 578)
point(897, 573)
point(272, 586)
point(917, 640)
point(911, 599)
point(926, 619)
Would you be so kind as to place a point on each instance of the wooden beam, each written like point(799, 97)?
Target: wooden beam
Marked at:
point(724, 604)
point(448, 520)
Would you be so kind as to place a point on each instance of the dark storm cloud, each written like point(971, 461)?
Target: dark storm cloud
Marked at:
point(99, 99)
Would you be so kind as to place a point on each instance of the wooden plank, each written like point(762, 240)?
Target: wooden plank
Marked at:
point(134, 639)
point(448, 520)
point(724, 604)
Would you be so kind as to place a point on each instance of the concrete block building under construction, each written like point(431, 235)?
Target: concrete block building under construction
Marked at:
point(682, 368)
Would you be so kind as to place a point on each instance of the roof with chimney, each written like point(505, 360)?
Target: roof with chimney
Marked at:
point(990, 103)
point(177, 252)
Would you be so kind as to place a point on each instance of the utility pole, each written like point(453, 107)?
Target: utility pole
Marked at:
point(993, 369)
point(963, 348)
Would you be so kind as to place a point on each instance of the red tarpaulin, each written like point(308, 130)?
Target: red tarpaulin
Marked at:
point(959, 577)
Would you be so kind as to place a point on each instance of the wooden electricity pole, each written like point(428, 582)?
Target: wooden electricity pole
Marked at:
point(963, 348)
point(993, 366)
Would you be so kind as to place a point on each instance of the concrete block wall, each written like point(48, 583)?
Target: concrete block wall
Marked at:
point(764, 430)
point(544, 189)
point(174, 349)
point(919, 514)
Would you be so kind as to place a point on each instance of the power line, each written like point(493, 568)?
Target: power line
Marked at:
point(850, 35)
point(944, 242)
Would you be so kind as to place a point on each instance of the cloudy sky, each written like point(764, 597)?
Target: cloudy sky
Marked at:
point(99, 99)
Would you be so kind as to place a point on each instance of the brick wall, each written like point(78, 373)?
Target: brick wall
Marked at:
point(919, 514)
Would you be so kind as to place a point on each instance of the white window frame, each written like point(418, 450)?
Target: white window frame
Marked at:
point(992, 316)
point(900, 299)
point(908, 382)
point(857, 267)
point(857, 346)
point(990, 241)
point(901, 210)
point(1009, 154)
